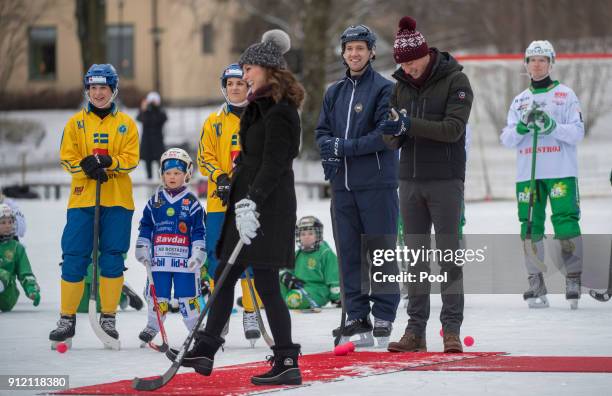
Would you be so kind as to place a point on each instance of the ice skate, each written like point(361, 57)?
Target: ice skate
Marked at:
point(147, 335)
point(64, 332)
point(107, 322)
point(133, 299)
point(251, 327)
point(536, 294)
point(358, 331)
point(572, 289)
point(382, 332)
point(603, 296)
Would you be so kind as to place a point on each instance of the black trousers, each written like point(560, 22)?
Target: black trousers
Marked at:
point(268, 286)
point(424, 203)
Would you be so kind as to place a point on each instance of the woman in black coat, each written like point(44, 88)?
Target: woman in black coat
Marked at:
point(153, 118)
point(262, 208)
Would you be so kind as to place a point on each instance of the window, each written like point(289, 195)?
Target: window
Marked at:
point(42, 43)
point(120, 48)
point(208, 38)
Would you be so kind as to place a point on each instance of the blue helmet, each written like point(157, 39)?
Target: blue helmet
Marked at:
point(233, 70)
point(104, 74)
point(358, 33)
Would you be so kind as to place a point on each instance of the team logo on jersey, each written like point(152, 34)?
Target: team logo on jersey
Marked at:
point(171, 239)
point(78, 190)
point(80, 124)
point(562, 95)
point(122, 129)
point(461, 95)
point(99, 137)
point(358, 108)
point(170, 212)
point(312, 263)
point(182, 227)
point(186, 201)
point(559, 190)
point(8, 255)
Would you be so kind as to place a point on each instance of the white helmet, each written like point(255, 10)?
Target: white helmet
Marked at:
point(6, 211)
point(540, 48)
point(177, 156)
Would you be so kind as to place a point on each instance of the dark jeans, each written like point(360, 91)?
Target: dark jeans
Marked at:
point(268, 286)
point(423, 203)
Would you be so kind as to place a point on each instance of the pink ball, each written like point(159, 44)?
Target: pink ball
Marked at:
point(61, 347)
point(350, 346)
point(468, 341)
point(341, 350)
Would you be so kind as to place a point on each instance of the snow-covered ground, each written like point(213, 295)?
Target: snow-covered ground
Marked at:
point(497, 322)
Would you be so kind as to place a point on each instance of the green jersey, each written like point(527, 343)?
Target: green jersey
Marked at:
point(319, 270)
point(14, 260)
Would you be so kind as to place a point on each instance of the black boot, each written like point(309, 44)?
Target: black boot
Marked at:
point(285, 370)
point(202, 356)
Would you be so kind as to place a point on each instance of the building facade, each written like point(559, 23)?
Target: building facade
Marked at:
point(195, 43)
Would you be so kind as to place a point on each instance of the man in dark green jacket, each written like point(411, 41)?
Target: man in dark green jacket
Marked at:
point(430, 106)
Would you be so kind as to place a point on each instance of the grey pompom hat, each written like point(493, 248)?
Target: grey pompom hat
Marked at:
point(269, 52)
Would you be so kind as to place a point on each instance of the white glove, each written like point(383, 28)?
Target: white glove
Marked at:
point(143, 251)
point(198, 255)
point(246, 220)
point(527, 116)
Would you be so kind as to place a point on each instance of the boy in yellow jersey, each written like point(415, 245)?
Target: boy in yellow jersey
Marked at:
point(218, 148)
point(98, 142)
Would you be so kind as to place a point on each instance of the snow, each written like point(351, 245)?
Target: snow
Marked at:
point(497, 322)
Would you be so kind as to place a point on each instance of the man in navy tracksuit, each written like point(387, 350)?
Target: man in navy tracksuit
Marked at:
point(364, 177)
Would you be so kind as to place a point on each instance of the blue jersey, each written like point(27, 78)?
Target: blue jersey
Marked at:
point(173, 225)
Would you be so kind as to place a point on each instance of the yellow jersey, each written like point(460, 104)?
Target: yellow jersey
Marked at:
point(117, 136)
point(218, 148)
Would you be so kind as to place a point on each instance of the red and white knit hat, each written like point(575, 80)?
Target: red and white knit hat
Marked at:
point(409, 44)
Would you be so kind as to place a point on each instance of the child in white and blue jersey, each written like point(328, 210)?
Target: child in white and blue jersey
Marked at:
point(172, 242)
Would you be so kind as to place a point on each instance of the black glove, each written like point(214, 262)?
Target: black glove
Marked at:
point(337, 303)
point(100, 173)
point(91, 163)
point(291, 281)
point(331, 165)
point(223, 188)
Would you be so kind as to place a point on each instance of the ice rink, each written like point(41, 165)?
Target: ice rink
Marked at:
point(497, 322)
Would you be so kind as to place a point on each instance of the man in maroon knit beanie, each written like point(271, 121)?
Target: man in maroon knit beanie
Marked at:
point(430, 106)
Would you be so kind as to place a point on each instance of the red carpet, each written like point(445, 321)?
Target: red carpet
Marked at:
point(543, 364)
point(325, 367)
